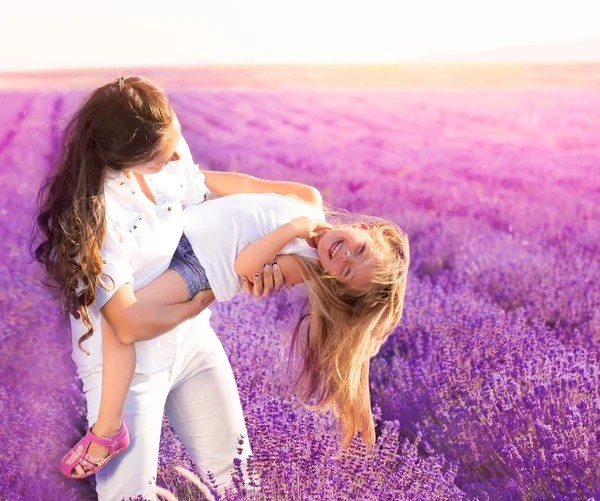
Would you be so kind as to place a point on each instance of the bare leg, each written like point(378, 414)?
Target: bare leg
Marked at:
point(168, 288)
point(118, 365)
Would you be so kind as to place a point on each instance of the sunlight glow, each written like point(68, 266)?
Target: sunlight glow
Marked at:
point(70, 33)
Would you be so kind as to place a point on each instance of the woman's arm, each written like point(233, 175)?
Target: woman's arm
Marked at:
point(132, 320)
point(252, 258)
point(230, 183)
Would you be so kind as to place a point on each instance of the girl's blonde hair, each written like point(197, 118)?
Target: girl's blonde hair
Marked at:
point(340, 329)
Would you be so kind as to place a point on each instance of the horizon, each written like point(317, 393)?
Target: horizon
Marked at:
point(448, 62)
point(341, 77)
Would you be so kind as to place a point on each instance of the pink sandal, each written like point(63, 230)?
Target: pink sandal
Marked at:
point(115, 444)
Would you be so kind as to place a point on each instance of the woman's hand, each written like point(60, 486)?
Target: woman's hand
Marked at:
point(267, 283)
point(309, 228)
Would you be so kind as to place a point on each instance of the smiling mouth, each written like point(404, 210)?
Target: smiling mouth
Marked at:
point(335, 249)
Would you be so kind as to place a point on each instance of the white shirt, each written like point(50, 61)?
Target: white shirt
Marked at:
point(141, 238)
point(242, 219)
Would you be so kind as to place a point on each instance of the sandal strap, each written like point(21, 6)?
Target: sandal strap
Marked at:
point(109, 442)
point(73, 456)
point(78, 455)
point(90, 465)
point(96, 461)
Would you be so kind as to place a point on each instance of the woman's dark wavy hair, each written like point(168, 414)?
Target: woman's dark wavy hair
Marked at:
point(119, 125)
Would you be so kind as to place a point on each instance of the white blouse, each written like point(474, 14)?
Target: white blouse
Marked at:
point(141, 238)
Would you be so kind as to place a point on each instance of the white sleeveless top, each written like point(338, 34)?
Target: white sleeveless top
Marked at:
point(218, 230)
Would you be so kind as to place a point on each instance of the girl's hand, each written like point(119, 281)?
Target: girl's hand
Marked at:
point(309, 228)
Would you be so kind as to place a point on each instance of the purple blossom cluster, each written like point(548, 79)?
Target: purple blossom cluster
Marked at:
point(489, 388)
point(295, 449)
point(496, 392)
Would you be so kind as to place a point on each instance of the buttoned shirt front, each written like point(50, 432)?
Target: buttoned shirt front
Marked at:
point(140, 240)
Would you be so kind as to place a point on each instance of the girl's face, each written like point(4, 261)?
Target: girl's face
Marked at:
point(347, 253)
point(166, 155)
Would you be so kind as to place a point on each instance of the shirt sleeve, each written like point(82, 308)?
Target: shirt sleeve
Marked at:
point(193, 180)
point(115, 264)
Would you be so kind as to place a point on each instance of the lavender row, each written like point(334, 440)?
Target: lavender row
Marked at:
point(488, 389)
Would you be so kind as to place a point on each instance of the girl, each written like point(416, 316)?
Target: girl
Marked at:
point(356, 277)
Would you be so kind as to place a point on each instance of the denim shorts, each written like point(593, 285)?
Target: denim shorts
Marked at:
point(187, 265)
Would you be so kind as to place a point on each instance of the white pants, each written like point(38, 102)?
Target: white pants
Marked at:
point(200, 397)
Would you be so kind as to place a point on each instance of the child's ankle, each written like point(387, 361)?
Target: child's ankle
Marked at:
point(106, 428)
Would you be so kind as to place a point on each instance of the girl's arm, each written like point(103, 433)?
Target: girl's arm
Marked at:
point(251, 260)
point(230, 183)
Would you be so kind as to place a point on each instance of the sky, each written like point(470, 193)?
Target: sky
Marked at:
point(36, 34)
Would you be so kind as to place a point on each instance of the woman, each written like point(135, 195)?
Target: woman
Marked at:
point(108, 227)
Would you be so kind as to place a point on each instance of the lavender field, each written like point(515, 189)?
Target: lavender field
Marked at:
point(489, 389)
